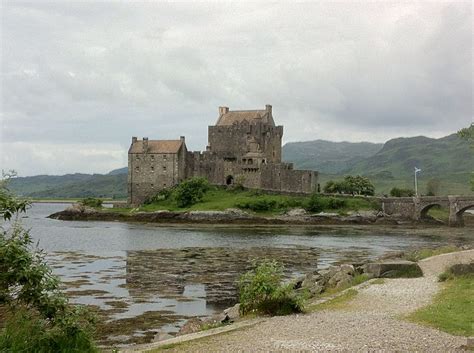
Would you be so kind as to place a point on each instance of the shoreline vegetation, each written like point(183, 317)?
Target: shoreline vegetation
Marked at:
point(251, 207)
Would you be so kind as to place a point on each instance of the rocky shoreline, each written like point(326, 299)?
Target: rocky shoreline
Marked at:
point(230, 216)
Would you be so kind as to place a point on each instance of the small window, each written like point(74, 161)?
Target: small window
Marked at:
point(164, 185)
point(164, 157)
point(137, 168)
point(152, 168)
point(137, 157)
point(164, 167)
point(152, 186)
point(152, 157)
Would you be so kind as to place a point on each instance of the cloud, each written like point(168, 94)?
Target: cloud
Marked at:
point(90, 75)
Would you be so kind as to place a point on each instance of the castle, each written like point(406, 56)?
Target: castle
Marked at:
point(244, 146)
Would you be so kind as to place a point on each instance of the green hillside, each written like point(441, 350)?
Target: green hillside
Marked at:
point(448, 160)
point(71, 186)
point(326, 156)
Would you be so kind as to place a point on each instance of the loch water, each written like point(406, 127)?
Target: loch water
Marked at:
point(146, 279)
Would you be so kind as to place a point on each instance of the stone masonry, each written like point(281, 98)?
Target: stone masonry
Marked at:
point(244, 146)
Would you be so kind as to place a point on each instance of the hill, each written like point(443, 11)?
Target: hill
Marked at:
point(71, 186)
point(449, 161)
point(326, 156)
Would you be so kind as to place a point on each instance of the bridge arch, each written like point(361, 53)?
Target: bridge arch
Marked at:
point(460, 213)
point(427, 207)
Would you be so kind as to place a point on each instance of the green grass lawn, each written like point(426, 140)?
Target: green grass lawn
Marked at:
point(452, 310)
point(218, 199)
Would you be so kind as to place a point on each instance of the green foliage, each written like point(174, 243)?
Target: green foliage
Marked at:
point(354, 185)
point(261, 291)
point(401, 192)
point(468, 135)
point(163, 194)
point(191, 191)
point(316, 203)
point(9, 204)
point(91, 202)
point(260, 204)
point(39, 317)
point(432, 187)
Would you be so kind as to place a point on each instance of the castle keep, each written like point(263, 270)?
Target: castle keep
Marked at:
point(244, 146)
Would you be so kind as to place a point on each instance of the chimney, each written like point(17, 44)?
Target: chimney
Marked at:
point(145, 144)
point(134, 139)
point(268, 108)
point(182, 139)
point(223, 110)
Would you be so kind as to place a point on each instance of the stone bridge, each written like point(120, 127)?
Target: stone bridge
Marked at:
point(416, 208)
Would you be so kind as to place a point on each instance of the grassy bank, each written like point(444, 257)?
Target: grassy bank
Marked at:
point(218, 199)
point(451, 310)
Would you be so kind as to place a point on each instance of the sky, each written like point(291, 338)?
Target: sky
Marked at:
point(79, 79)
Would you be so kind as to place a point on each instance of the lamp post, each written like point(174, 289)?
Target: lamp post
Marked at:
point(416, 181)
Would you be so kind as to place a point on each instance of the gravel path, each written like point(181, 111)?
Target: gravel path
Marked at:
point(370, 322)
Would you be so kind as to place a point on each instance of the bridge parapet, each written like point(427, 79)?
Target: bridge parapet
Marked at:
point(416, 208)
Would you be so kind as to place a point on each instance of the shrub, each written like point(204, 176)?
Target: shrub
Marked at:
point(354, 185)
point(261, 291)
point(400, 192)
point(191, 191)
point(316, 203)
point(258, 205)
point(335, 203)
point(91, 202)
point(161, 195)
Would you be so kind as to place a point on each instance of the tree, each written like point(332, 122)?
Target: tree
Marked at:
point(191, 191)
point(39, 317)
point(468, 134)
point(432, 187)
point(401, 192)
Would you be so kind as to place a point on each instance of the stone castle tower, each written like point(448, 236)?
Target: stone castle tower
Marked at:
point(244, 146)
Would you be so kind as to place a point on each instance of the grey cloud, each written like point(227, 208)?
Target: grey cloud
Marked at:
point(96, 73)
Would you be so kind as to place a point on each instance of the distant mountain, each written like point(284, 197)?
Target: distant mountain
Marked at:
point(435, 157)
point(71, 186)
point(123, 170)
point(328, 157)
point(449, 160)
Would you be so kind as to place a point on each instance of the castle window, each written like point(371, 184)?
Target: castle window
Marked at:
point(164, 157)
point(152, 186)
point(152, 168)
point(152, 157)
point(137, 157)
point(137, 168)
point(164, 167)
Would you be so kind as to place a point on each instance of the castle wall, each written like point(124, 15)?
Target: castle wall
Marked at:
point(150, 172)
point(232, 142)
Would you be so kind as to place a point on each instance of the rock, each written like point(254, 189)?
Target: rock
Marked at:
point(462, 269)
point(233, 313)
point(340, 279)
point(393, 269)
point(296, 212)
point(192, 325)
point(161, 336)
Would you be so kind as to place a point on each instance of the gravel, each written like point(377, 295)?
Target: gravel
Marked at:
point(372, 321)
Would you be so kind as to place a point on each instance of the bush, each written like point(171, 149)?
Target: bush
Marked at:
point(316, 203)
point(400, 192)
point(91, 202)
point(354, 185)
point(161, 195)
point(258, 205)
point(261, 291)
point(334, 203)
point(191, 191)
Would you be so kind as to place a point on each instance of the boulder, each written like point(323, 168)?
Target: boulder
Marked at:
point(393, 269)
point(462, 269)
point(295, 212)
point(192, 325)
point(232, 313)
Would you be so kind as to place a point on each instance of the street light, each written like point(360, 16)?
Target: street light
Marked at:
point(416, 182)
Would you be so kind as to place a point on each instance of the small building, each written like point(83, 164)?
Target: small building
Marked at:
point(244, 146)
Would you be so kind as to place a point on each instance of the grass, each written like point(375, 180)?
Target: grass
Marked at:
point(378, 281)
point(218, 199)
point(451, 310)
point(420, 254)
point(340, 302)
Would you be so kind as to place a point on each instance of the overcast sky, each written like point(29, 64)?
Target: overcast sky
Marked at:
point(78, 79)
